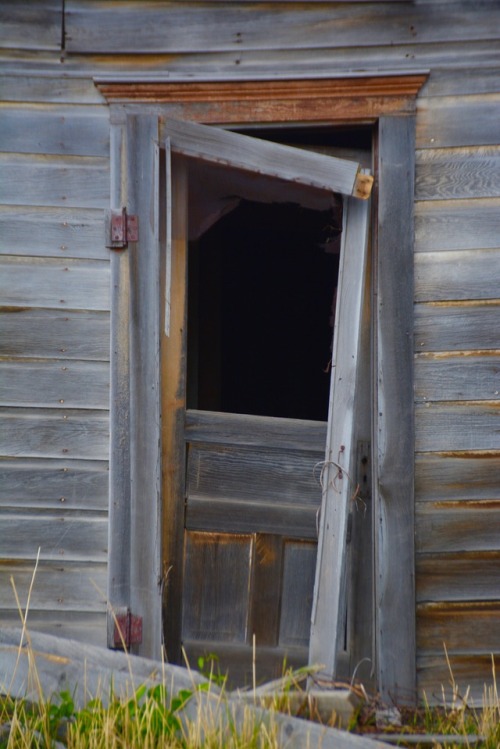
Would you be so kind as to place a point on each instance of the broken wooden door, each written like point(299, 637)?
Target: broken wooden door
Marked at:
point(243, 461)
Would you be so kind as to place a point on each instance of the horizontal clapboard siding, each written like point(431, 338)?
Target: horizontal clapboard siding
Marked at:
point(457, 376)
point(459, 326)
point(52, 232)
point(457, 425)
point(54, 384)
point(50, 89)
point(457, 475)
point(462, 275)
point(439, 676)
point(88, 627)
point(52, 334)
point(458, 173)
point(457, 224)
point(60, 284)
point(54, 484)
point(34, 24)
point(457, 526)
point(465, 576)
point(460, 627)
point(458, 121)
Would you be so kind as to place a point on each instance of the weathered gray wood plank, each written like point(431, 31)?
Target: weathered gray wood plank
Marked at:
point(51, 484)
point(456, 327)
point(474, 671)
point(50, 89)
point(393, 418)
point(457, 475)
point(60, 284)
point(215, 27)
point(457, 526)
point(457, 376)
point(56, 129)
point(262, 157)
point(34, 24)
point(467, 425)
point(471, 576)
point(458, 173)
point(53, 334)
point(83, 627)
point(54, 384)
point(58, 586)
point(445, 122)
point(230, 516)
point(36, 433)
point(250, 474)
point(70, 536)
point(464, 627)
point(454, 276)
point(457, 224)
point(52, 232)
point(299, 564)
point(258, 431)
point(473, 80)
point(76, 181)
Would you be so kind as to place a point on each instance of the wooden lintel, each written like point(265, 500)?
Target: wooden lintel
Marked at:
point(346, 98)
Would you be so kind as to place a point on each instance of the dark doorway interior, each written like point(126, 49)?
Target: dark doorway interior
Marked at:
point(262, 284)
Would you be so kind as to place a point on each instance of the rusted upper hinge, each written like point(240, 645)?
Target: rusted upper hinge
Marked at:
point(121, 229)
point(127, 630)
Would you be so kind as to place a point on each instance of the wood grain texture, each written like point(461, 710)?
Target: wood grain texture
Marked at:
point(458, 173)
point(267, 570)
point(457, 224)
point(89, 628)
point(62, 586)
point(52, 232)
point(54, 384)
point(67, 284)
point(465, 627)
point(52, 334)
point(216, 27)
point(457, 526)
point(472, 674)
point(473, 80)
point(76, 181)
point(299, 564)
point(457, 376)
point(31, 25)
point(56, 129)
point(47, 433)
point(456, 425)
point(393, 413)
point(256, 431)
point(460, 326)
point(471, 576)
point(54, 484)
point(447, 122)
point(71, 536)
point(454, 276)
point(457, 475)
point(50, 89)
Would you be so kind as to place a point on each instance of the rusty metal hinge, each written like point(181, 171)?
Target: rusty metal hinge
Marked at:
point(127, 630)
point(121, 229)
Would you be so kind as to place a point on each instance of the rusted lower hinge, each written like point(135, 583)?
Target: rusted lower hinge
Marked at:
point(121, 229)
point(127, 630)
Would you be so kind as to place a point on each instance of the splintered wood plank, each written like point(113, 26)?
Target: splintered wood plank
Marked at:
point(266, 158)
point(457, 425)
point(54, 384)
point(458, 173)
point(299, 563)
point(457, 224)
point(253, 474)
point(258, 431)
point(52, 232)
point(51, 484)
point(459, 326)
point(454, 276)
point(459, 576)
point(457, 376)
point(53, 334)
point(47, 433)
point(41, 180)
point(56, 129)
point(457, 526)
point(264, 615)
point(69, 536)
point(56, 283)
point(457, 475)
point(446, 122)
point(462, 627)
point(217, 579)
point(58, 586)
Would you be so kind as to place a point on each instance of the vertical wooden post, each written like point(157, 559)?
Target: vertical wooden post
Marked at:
point(393, 413)
point(173, 403)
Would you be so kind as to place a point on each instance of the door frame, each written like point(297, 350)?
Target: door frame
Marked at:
point(136, 580)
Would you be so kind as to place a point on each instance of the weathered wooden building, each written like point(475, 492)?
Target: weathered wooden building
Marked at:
point(163, 421)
